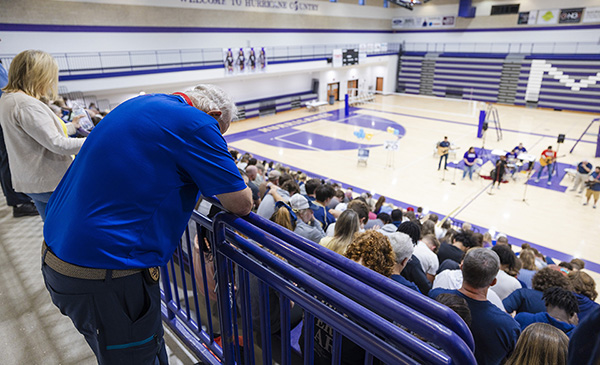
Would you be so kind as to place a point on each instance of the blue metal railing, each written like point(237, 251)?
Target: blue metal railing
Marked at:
point(505, 47)
point(368, 311)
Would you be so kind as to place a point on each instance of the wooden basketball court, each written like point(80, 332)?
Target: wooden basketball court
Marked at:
point(325, 143)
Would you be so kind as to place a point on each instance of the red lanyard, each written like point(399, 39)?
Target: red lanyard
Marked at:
point(185, 97)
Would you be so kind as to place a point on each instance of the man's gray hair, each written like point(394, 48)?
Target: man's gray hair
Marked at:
point(402, 245)
point(209, 97)
point(480, 266)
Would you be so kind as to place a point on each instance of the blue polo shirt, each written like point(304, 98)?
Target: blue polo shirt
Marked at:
point(128, 196)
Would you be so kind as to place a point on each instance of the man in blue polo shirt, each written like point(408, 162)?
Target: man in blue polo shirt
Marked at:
point(121, 209)
point(495, 332)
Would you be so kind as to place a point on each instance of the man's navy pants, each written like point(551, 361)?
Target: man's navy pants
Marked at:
point(120, 318)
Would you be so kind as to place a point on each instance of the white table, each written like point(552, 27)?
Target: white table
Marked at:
point(315, 105)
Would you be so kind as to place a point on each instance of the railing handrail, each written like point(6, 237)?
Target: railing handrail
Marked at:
point(381, 327)
point(512, 47)
point(367, 296)
point(420, 303)
point(204, 56)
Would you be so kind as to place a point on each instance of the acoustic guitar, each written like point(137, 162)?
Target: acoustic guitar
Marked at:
point(444, 150)
point(590, 183)
point(545, 161)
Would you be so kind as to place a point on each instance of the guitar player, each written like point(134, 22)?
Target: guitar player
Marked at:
point(443, 150)
point(547, 159)
point(593, 187)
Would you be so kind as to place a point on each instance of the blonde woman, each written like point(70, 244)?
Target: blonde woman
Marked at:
point(529, 269)
point(37, 141)
point(345, 228)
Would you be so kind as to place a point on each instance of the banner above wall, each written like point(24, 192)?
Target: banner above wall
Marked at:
point(591, 15)
point(244, 60)
point(528, 17)
point(412, 22)
point(570, 15)
point(559, 16)
point(299, 7)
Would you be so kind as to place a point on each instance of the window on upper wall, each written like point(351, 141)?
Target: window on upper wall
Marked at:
point(505, 9)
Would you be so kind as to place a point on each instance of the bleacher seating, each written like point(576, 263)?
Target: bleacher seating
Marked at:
point(498, 77)
point(275, 104)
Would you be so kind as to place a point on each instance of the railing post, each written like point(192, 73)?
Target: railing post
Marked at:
point(67, 62)
point(166, 283)
point(224, 291)
point(100, 60)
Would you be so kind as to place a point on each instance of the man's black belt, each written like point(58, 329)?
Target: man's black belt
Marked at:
point(80, 272)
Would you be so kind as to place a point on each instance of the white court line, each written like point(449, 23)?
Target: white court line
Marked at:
point(279, 138)
point(471, 115)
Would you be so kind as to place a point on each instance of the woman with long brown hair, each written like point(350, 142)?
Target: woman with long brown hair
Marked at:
point(540, 343)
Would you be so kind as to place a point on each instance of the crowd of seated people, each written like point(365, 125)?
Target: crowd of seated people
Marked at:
point(506, 292)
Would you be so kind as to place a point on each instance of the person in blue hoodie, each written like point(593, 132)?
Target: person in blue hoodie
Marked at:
point(561, 311)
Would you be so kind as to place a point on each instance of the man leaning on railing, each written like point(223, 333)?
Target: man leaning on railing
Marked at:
point(121, 208)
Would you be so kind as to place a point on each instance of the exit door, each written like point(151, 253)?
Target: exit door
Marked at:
point(379, 84)
point(333, 90)
point(353, 87)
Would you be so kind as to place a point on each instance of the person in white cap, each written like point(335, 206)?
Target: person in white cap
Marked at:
point(584, 169)
point(306, 224)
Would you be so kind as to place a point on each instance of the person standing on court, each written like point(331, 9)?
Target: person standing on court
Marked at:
point(593, 189)
point(469, 159)
point(584, 168)
point(121, 209)
point(547, 160)
point(443, 150)
point(37, 141)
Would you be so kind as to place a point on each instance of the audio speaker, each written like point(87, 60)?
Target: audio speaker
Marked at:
point(315, 86)
point(561, 138)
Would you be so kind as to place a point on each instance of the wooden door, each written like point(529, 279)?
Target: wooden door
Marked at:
point(379, 84)
point(353, 87)
point(333, 89)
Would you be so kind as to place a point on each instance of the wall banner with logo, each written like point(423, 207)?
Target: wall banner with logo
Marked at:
point(528, 17)
point(570, 15)
point(413, 22)
point(591, 15)
point(548, 16)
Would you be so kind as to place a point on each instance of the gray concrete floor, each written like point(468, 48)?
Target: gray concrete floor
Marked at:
point(32, 329)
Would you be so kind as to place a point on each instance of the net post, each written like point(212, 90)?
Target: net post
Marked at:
point(346, 105)
point(481, 121)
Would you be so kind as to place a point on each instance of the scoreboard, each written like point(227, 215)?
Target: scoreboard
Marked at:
point(350, 57)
